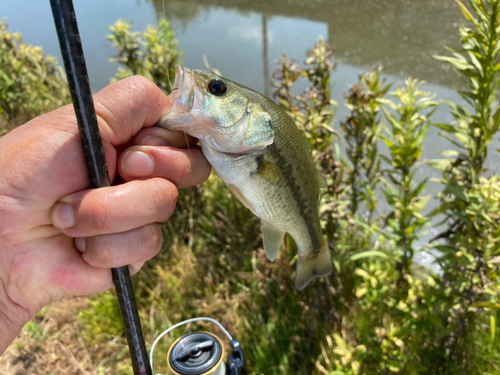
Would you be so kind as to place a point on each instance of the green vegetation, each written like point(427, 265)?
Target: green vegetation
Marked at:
point(151, 53)
point(379, 312)
point(30, 82)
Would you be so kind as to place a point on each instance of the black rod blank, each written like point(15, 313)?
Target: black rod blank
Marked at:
point(76, 71)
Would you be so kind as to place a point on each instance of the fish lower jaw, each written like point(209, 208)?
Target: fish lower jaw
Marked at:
point(175, 119)
point(212, 148)
point(237, 156)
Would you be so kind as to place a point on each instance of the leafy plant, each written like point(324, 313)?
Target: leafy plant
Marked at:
point(151, 53)
point(404, 138)
point(362, 129)
point(31, 83)
point(469, 243)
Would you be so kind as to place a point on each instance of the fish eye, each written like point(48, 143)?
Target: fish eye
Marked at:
point(217, 87)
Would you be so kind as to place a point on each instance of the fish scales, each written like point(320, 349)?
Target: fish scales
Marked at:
point(290, 152)
point(259, 153)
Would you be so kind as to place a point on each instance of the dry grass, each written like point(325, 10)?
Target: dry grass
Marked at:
point(52, 343)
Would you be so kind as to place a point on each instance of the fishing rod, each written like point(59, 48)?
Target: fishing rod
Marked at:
point(197, 353)
point(79, 86)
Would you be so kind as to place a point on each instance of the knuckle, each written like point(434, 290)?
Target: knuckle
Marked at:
point(165, 198)
point(97, 217)
point(154, 239)
point(99, 251)
point(143, 86)
point(183, 170)
point(193, 169)
point(141, 82)
point(205, 173)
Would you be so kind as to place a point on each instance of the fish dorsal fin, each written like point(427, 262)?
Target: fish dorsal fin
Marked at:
point(273, 239)
point(209, 67)
point(321, 181)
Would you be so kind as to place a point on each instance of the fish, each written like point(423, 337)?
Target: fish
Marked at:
point(263, 158)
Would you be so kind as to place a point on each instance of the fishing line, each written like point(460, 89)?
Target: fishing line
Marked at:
point(168, 70)
point(193, 190)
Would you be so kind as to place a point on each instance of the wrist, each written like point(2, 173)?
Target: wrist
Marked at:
point(12, 319)
point(9, 329)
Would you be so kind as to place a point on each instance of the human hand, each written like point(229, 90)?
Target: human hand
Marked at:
point(58, 238)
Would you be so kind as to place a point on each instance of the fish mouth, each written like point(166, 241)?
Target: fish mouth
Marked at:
point(179, 75)
point(184, 96)
point(178, 90)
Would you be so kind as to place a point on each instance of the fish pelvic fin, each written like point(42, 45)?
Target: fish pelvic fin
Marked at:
point(315, 264)
point(273, 239)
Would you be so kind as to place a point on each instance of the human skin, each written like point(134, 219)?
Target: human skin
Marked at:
point(58, 238)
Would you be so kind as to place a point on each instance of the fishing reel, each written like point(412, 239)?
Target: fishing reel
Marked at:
point(201, 353)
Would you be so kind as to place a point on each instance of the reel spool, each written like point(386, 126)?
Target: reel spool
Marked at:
point(201, 353)
point(197, 353)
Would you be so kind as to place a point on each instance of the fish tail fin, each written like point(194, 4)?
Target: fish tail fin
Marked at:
point(315, 264)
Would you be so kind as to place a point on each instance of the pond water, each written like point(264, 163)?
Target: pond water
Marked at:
point(243, 38)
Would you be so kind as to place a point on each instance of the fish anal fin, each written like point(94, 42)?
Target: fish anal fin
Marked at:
point(316, 264)
point(273, 239)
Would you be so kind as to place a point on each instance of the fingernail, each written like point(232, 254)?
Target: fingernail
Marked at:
point(62, 216)
point(153, 140)
point(80, 244)
point(138, 164)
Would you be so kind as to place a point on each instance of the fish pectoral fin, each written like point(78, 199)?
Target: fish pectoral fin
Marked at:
point(273, 239)
point(270, 172)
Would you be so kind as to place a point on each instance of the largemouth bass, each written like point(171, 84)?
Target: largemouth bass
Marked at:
point(261, 155)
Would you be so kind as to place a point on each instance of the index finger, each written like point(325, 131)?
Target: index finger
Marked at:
point(127, 106)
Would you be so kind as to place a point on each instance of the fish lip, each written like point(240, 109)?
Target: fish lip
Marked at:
point(182, 84)
point(184, 98)
point(179, 80)
point(182, 95)
point(181, 88)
